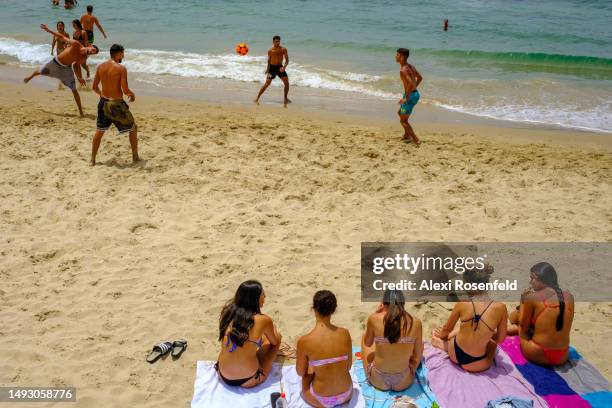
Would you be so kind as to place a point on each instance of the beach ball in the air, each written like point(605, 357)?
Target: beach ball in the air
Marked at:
point(242, 49)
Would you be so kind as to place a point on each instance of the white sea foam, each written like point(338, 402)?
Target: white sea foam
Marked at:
point(235, 67)
point(597, 120)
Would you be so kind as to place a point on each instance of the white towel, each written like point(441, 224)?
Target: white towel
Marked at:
point(211, 392)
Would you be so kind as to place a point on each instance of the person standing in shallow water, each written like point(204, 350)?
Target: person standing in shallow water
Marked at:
point(411, 79)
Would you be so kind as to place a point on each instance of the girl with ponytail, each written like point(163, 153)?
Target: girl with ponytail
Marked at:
point(544, 318)
point(392, 345)
point(249, 340)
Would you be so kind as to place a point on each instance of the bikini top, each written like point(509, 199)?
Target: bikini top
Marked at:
point(233, 347)
point(477, 318)
point(401, 340)
point(546, 306)
point(325, 361)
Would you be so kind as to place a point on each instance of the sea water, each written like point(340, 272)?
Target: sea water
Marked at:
point(545, 61)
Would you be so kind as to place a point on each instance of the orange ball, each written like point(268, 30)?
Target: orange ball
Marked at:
point(242, 49)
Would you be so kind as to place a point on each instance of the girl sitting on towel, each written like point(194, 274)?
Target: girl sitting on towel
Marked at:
point(482, 325)
point(249, 340)
point(324, 357)
point(392, 345)
point(544, 319)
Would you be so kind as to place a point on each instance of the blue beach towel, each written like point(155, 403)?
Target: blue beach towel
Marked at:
point(419, 390)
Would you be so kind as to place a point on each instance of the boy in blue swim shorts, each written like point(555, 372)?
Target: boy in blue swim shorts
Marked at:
point(411, 78)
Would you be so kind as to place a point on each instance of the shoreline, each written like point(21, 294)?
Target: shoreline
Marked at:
point(326, 103)
point(101, 263)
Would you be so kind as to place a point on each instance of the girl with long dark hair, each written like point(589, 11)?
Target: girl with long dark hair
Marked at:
point(544, 319)
point(249, 340)
point(81, 36)
point(324, 357)
point(392, 345)
point(482, 325)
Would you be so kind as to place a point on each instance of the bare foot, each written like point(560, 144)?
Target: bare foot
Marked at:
point(136, 159)
point(439, 343)
point(287, 100)
point(256, 101)
point(27, 79)
point(92, 163)
point(417, 142)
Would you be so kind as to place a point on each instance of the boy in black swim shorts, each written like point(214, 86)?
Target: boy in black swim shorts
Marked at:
point(276, 56)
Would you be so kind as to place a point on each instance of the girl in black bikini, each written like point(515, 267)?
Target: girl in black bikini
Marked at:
point(482, 326)
point(249, 340)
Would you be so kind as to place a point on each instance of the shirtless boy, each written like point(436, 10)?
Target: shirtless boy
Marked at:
point(275, 68)
point(87, 21)
point(411, 78)
point(112, 109)
point(61, 67)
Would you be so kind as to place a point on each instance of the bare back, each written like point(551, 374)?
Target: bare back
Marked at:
point(325, 342)
point(541, 312)
point(111, 74)
point(474, 338)
point(87, 21)
point(392, 358)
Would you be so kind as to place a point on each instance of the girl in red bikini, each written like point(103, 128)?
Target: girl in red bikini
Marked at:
point(544, 319)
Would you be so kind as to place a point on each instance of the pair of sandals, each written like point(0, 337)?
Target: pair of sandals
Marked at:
point(176, 348)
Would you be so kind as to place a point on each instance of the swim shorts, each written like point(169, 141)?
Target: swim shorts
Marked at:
point(114, 113)
point(64, 73)
point(90, 36)
point(274, 70)
point(407, 107)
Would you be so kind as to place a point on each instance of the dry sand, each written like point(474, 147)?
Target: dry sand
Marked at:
point(98, 264)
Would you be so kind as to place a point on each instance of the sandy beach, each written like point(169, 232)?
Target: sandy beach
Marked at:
point(98, 264)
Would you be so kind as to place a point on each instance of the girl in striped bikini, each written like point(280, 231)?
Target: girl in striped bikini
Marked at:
point(392, 345)
point(324, 357)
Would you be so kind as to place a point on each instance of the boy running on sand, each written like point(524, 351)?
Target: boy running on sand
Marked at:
point(411, 78)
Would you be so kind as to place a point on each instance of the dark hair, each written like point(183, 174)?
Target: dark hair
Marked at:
point(116, 48)
point(404, 51)
point(239, 312)
point(548, 276)
point(396, 319)
point(90, 8)
point(77, 23)
point(478, 275)
point(60, 22)
point(276, 37)
point(324, 302)
point(96, 48)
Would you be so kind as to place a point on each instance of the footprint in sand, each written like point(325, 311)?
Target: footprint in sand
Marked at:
point(141, 226)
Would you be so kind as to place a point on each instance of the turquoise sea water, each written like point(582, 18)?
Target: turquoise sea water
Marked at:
point(545, 61)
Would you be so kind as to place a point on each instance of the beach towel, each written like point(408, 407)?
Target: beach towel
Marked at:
point(210, 392)
point(575, 384)
point(419, 390)
point(456, 388)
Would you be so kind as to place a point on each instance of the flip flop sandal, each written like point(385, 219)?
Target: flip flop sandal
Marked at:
point(159, 351)
point(178, 347)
